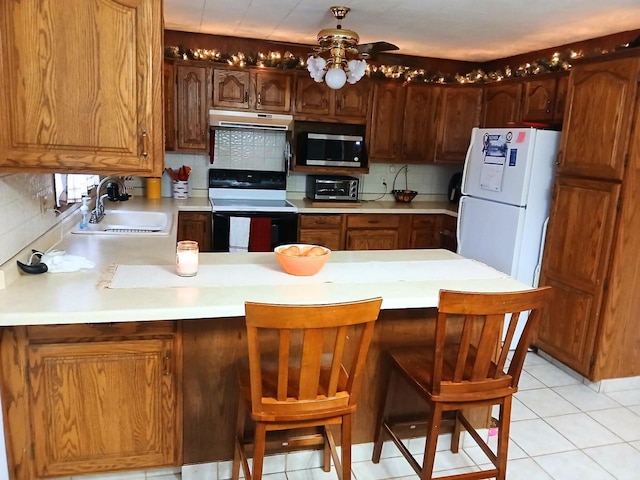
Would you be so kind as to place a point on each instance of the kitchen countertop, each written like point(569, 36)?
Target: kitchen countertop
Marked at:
point(79, 297)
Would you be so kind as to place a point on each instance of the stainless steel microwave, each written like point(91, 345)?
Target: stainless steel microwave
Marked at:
point(331, 150)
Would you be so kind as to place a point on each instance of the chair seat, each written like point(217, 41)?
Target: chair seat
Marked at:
point(414, 365)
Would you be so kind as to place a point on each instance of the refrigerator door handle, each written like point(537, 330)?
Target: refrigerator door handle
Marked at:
point(458, 223)
point(463, 184)
point(536, 272)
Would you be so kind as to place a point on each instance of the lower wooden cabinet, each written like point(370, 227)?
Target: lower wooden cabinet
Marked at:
point(424, 231)
point(94, 398)
point(196, 226)
point(372, 232)
point(325, 230)
point(448, 233)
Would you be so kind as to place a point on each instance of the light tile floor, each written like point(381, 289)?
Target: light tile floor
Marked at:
point(561, 429)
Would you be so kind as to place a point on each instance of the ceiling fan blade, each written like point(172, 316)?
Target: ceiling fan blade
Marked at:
point(376, 47)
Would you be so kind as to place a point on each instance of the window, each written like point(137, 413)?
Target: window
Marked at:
point(69, 188)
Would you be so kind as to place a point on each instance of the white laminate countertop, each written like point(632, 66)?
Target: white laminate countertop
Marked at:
point(80, 297)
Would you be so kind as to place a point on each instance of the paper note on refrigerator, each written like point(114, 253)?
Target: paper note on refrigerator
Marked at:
point(495, 157)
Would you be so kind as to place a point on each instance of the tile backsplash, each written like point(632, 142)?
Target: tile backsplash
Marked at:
point(263, 149)
point(26, 210)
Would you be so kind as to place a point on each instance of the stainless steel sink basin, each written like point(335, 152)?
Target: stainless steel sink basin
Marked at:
point(129, 222)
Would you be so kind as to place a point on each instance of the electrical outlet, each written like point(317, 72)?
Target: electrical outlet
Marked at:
point(43, 203)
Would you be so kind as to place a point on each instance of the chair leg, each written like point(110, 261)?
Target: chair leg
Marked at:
point(326, 460)
point(433, 430)
point(237, 451)
point(455, 434)
point(379, 432)
point(259, 447)
point(345, 446)
point(503, 438)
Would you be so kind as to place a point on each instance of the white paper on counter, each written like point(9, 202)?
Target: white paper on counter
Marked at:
point(163, 276)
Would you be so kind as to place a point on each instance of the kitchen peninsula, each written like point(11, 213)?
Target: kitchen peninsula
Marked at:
point(103, 372)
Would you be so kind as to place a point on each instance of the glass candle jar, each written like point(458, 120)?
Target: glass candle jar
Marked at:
point(187, 258)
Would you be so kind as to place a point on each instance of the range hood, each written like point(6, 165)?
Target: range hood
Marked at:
point(264, 121)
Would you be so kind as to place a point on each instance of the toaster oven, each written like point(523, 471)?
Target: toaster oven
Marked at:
point(332, 188)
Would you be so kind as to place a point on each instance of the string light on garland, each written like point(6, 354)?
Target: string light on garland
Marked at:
point(289, 61)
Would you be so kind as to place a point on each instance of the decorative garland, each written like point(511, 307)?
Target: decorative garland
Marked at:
point(288, 61)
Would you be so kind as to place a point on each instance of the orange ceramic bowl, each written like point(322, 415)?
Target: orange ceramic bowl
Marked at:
point(295, 262)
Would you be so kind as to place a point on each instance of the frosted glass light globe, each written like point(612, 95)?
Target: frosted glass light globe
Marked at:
point(335, 78)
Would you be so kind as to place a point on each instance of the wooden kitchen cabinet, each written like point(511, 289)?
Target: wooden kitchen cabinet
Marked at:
point(196, 226)
point(322, 229)
point(448, 227)
point(591, 253)
point(372, 232)
point(252, 91)
point(317, 102)
point(459, 112)
point(169, 84)
point(501, 104)
point(544, 99)
point(82, 100)
point(193, 87)
point(404, 122)
point(424, 231)
point(97, 397)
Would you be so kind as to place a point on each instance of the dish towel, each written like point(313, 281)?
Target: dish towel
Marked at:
point(260, 234)
point(239, 234)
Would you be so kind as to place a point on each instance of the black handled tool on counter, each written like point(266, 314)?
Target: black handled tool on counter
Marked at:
point(31, 267)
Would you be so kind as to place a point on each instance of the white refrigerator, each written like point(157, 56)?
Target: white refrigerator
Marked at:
point(506, 193)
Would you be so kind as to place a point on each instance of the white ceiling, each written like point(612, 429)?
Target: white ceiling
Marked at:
point(472, 30)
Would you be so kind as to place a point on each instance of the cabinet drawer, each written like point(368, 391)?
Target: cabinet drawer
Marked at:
point(421, 221)
point(320, 221)
point(373, 221)
point(103, 331)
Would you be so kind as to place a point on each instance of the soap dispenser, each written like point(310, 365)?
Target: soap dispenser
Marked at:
point(84, 213)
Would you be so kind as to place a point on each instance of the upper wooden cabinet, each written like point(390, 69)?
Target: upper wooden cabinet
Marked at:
point(82, 99)
point(501, 105)
point(315, 101)
point(459, 113)
point(420, 123)
point(384, 135)
point(252, 90)
point(598, 119)
point(544, 99)
point(193, 90)
point(169, 97)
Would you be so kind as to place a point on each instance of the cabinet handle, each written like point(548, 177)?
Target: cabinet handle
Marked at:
point(338, 103)
point(145, 138)
point(246, 97)
point(259, 99)
point(373, 222)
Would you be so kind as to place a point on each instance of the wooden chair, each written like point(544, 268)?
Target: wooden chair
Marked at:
point(311, 381)
point(464, 368)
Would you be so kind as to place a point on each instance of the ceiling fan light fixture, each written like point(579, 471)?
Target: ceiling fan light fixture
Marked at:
point(336, 77)
point(316, 67)
point(356, 70)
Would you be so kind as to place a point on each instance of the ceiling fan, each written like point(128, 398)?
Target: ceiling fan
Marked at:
point(337, 70)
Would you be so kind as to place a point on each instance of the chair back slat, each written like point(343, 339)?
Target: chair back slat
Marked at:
point(336, 363)
point(283, 362)
point(477, 359)
point(318, 356)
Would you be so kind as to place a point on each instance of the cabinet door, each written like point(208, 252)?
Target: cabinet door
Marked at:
point(419, 124)
point(326, 238)
point(460, 113)
point(81, 86)
point(169, 84)
point(195, 226)
point(273, 92)
point(385, 129)
point(193, 107)
point(539, 97)
point(561, 98)
point(100, 406)
point(502, 104)
point(375, 239)
point(576, 258)
point(448, 233)
point(353, 100)
point(597, 123)
point(424, 232)
point(231, 89)
point(312, 98)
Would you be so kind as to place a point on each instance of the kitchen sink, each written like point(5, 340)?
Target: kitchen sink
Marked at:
point(129, 222)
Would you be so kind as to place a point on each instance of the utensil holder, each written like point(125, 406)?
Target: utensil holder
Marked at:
point(180, 189)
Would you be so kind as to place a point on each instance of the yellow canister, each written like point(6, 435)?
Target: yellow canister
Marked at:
point(154, 188)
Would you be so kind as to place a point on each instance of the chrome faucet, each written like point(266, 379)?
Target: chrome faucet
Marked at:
point(97, 214)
